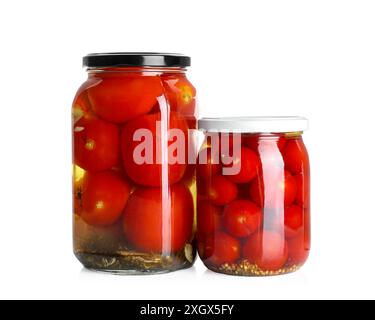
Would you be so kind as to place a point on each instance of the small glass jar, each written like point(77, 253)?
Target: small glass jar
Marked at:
point(253, 180)
point(133, 187)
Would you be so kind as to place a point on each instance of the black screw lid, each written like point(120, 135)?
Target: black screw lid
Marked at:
point(136, 59)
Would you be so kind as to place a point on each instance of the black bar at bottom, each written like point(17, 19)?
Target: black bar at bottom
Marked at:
point(187, 309)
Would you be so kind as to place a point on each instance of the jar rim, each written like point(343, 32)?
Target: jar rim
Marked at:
point(136, 59)
point(264, 124)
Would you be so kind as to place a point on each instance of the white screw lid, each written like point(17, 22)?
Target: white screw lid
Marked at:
point(281, 124)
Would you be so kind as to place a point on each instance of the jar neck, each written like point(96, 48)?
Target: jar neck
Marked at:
point(116, 71)
point(270, 136)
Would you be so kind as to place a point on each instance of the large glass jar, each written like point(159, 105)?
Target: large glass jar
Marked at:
point(253, 195)
point(134, 188)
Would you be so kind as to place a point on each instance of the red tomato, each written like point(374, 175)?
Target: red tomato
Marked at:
point(268, 250)
point(293, 221)
point(222, 191)
point(247, 163)
point(277, 189)
point(154, 222)
point(103, 199)
point(255, 141)
point(210, 165)
point(299, 250)
point(81, 104)
point(220, 248)
point(303, 190)
point(209, 218)
point(295, 156)
point(242, 218)
point(81, 107)
point(180, 94)
point(150, 174)
point(192, 123)
point(121, 99)
point(96, 144)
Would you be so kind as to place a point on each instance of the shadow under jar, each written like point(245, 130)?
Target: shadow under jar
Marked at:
point(253, 181)
point(133, 202)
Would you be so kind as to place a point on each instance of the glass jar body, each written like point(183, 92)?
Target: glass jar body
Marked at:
point(254, 221)
point(133, 202)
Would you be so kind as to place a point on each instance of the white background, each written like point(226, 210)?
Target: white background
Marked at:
point(311, 58)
